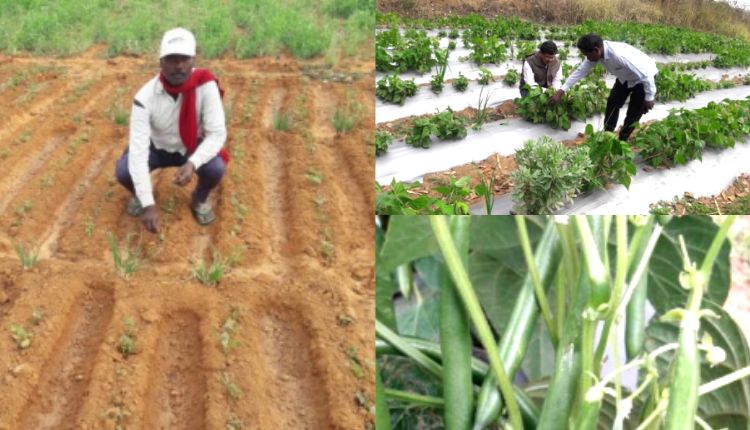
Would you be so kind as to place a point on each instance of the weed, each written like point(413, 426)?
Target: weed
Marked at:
point(27, 256)
point(233, 391)
point(314, 176)
point(127, 346)
point(482, 115)
point(128, 262)
point(21, 336)
point(282, 121)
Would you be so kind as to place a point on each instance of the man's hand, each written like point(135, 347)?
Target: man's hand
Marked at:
point(150, 219)
point(647, 106)
point(555, 99)
point(184, 174)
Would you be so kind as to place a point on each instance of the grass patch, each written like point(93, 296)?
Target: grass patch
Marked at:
point(243, 28)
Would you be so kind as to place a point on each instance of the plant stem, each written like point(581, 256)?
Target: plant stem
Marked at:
point(382, 413)
point(724, 380)
point(463, 284)
point(541, 297)
point(713, 250)
point(414, 399)
point(394, 339)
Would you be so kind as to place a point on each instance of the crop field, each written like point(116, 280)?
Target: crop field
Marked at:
point(260, 320)
point(453, 137)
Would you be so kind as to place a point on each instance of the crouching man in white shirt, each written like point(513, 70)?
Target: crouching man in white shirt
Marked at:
point(635, 73)
point(177, 120)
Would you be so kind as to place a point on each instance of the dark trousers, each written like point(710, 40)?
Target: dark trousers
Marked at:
point(209, 174)
point(616, 100)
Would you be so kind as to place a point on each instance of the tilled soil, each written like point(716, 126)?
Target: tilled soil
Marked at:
point(294, 219)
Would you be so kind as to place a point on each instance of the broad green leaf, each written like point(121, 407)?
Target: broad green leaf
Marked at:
point(407, 239)
point(385, 288)
point(539, 361)
point(666, 263)
point(728, 407)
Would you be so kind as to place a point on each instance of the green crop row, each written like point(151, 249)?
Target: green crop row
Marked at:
point(585, 99)
point(654, 38)
point(242, 28)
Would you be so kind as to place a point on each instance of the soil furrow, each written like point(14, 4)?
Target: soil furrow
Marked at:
point(66, 376)
point(301, 399)
point(177, 392)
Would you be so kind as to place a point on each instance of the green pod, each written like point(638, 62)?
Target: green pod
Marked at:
point(600, 289)
point(455, 340)
point(683, 394)
point(382, 413)
point(520, 328)
point(635, 319)
point(568, 364)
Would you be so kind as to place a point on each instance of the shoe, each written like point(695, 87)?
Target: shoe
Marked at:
point(203, 212)
point(134, 207)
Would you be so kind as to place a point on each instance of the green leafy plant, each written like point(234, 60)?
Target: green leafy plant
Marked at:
point(485, 76)
point(449, 126)
point(611, 158)
point(461, 82)
point(678, 86)
point(548, 175)
point(400, 199)
point(524, 49)
point(511, 78)
point(585, 99)
point(421, 130)
point(383, 140)
point(683, 134)
point(555, 301)
point(395, 90)
point(212, 274)
point(488, 49)
point(452, 45)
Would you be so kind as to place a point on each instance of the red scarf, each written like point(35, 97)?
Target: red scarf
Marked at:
point(188, 114)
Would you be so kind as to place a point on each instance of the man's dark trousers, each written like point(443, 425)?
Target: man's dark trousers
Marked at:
point(616, 100)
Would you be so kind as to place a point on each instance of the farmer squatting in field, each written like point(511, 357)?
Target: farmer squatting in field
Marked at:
point(541, 69)
point(635, 72)
point(177, 120)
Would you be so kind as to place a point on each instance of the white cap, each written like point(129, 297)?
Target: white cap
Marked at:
point(178, 41)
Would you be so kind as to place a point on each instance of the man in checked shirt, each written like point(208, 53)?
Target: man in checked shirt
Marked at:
point(177, 120)
point(635, 73)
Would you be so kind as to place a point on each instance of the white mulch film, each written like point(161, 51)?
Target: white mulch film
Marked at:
point(705, 177)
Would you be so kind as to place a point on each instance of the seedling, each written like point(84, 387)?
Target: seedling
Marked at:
point(355, 363)
point(121, 117)
point(282, 121)
point(22, 138)
point(24, 209)
point(21, 336)
point(511, 78)
point(235, 423)
point(211, 275)
point(27, 256)
point(314, 176)
point(227, 330)
point(88, 227)
point(233, 391)
point(128, 262)
point(346, 117)
point(127, 346)
point(485, 76)
point(481, 116)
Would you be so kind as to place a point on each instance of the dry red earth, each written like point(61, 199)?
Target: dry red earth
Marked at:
point(294, 208)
